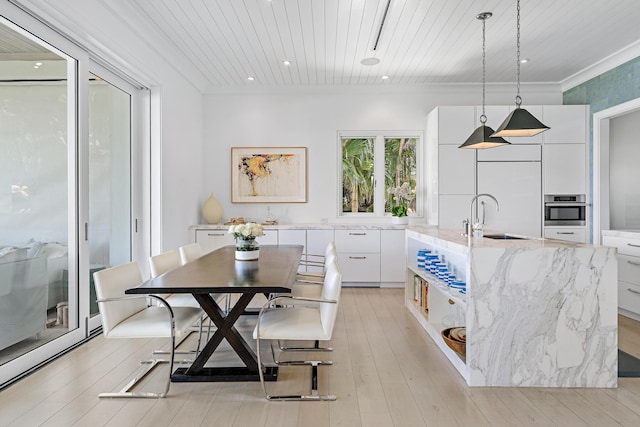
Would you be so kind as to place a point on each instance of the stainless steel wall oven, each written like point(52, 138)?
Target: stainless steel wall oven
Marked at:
point(565, 210)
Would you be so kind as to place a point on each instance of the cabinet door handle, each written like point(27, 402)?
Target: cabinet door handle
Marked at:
point(633, 290)
point(357, 234)
point(451, 301)
point(357, 257)
point(633, 262)
point(635, 246)
point(565, 232)
point(215, 234)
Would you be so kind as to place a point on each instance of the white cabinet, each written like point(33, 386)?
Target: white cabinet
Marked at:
point(568, 124)
point(565, 169)
point(359, 255)
point(270, 237)
point(210, 240)
point(456, 170)
point(628, 273)
point(392, 256)
point(454, 124)
point(570, 234)
point(517, 186)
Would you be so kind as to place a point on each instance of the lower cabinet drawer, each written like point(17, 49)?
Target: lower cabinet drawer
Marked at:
point(629, 297)
point(625, 246)
point(359, 267)
point(578, 235)
point(629, 269)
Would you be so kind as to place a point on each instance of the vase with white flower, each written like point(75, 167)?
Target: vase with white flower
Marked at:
point(402, 197)
point(247, 248)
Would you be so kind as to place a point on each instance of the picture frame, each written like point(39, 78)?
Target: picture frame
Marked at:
point(268, 174)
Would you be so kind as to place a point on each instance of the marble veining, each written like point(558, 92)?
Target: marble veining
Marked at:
point(540, 313)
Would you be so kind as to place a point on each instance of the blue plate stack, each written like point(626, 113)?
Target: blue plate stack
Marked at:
point(459, 286)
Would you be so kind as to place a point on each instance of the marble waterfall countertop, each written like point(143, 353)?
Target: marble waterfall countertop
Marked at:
point(540, 312)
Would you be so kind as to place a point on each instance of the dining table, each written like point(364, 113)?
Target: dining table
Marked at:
point(216, 273)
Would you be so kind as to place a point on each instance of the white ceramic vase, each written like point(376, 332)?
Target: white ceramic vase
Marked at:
point(400, 220)
point(211, 210)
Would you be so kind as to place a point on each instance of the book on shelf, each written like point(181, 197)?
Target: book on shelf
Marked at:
point(424, 300)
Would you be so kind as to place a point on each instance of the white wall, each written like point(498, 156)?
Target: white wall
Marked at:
point(312, 119)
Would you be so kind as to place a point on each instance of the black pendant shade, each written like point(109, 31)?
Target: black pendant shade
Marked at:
point(481, 138)
point(520, 122)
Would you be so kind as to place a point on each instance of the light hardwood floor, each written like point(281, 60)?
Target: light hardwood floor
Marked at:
point(386, 372)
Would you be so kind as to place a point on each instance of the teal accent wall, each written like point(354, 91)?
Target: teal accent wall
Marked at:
point(613, 87)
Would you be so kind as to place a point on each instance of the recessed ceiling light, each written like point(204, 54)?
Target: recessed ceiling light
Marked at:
point(385, 77)
point(370, 61)
point(251, 78)
point(524, 61)
point(286, 62)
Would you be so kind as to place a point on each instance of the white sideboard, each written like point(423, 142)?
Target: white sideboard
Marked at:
point(368, 255)
point(628, 245)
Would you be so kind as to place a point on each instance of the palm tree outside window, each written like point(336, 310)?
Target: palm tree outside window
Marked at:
point(371, 158)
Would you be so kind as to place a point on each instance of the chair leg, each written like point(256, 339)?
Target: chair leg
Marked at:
point(314, 396)
point(125, 391)
point(316, 347)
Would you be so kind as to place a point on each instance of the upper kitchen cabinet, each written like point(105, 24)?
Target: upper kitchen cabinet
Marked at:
point(565, 167)
point(568, 124)
point(452, 125)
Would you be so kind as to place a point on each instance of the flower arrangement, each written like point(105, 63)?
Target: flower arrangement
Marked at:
point(246, 231)
point(402, 195)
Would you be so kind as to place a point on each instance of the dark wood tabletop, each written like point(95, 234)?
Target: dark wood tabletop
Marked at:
point(219, 272)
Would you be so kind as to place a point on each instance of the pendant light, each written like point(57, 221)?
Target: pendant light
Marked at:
point(519, 122)
point(481, 137)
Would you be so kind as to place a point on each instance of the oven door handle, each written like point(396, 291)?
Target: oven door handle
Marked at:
point(566, 204)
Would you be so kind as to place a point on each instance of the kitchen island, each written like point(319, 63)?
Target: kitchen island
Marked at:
point(537, 312)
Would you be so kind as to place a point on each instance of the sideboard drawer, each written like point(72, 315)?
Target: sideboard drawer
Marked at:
point(359, 267)
point(625, 246)
point(629, 269)
point(357, 241)
point(629, 297)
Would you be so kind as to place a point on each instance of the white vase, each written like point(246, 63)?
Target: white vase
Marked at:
point(211, 210)
point(400, 220)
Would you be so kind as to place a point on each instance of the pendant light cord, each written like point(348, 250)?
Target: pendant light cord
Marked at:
point(483, 117)
point(518, 98)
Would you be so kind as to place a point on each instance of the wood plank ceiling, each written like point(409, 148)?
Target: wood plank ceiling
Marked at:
point(421, 42)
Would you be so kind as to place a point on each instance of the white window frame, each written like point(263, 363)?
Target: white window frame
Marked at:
point(379, 196)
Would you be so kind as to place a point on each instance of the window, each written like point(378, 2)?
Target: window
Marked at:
point(371, 158)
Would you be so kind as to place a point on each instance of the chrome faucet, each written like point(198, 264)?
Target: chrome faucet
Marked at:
point(475, 198)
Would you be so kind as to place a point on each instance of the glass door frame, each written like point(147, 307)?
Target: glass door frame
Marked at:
point(139, 137)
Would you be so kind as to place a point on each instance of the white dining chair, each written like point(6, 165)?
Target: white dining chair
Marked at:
point(130, 316)
point(163, 263)
point(190, 252)
point(319, 262)
point(298, 322)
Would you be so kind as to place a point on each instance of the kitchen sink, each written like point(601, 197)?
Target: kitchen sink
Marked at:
point(504, 237)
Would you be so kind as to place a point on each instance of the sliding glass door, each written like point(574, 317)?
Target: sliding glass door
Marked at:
point(67, 204)
point(110, 211)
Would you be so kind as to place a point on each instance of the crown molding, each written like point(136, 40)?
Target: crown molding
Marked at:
point(612, 61)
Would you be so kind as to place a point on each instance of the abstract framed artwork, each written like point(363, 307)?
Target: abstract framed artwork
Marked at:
point(268, 174)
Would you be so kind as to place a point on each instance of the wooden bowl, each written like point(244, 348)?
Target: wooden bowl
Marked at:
point(460, 347)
